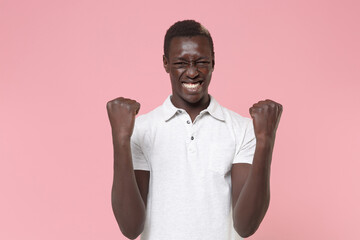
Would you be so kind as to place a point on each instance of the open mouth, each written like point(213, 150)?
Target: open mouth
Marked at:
point(193, 86)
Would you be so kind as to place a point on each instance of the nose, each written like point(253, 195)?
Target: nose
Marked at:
point(192, 71)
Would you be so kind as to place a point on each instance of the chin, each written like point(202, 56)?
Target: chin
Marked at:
point(193, 98)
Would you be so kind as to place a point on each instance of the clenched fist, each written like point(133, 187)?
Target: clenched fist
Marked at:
point(266, 116)
point(121, 112)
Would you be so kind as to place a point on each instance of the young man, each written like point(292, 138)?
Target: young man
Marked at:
point(191, 169)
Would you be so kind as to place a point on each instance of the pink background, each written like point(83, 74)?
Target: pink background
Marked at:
point(61, 61)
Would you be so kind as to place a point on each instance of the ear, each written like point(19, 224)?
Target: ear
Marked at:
point(213, 61)
point(166, 64)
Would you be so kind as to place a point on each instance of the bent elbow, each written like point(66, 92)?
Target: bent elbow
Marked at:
point(130, 235)
point(131, 229)
point(245, 235)
point(246, 232)
point(132, 232)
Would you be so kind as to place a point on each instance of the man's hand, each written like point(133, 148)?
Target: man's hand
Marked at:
point(266, 116)
point(121, 112)
point(254, 189)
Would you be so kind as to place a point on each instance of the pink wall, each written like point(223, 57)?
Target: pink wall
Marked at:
point(61, 61)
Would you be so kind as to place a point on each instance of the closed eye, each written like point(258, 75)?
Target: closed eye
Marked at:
point(203, 63)
point(180, 64)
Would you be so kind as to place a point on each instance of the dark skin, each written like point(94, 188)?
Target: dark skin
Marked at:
point(190, 65)
point(190, 61)
point(130, 188)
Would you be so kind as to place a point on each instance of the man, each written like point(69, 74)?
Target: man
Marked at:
point(191, 169)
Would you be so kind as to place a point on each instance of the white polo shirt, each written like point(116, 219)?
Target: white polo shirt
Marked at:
point(190, 164)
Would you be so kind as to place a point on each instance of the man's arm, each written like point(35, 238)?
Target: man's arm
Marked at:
point(251, 183)
point(128, 204)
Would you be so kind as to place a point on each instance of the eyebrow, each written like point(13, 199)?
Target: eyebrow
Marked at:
point(200, 58)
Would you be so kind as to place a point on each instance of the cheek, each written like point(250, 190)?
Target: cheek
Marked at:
point(207, 75)
point(176, 73)
point(206, 71)
point(174, 77)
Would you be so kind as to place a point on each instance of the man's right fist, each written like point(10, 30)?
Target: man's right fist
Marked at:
point(121, 112)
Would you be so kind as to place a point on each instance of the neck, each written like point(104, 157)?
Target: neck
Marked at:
point(193, 109)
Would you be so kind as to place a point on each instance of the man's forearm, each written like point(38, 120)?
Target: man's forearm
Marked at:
point(127, 204)
point(254, 198)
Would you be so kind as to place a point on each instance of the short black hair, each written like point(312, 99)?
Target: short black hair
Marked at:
point(186, 28)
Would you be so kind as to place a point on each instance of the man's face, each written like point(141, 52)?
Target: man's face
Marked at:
point(190, 65)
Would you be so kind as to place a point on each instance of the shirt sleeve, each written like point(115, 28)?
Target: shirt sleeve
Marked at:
point(245, 152)
point(138, 157)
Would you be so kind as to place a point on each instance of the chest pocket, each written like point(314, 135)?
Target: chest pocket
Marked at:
point(220, 157)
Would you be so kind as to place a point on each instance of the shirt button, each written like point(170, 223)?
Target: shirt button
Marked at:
point(188, 122)
point(192, 137)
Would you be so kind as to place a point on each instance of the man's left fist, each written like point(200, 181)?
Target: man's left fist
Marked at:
point(266, 116)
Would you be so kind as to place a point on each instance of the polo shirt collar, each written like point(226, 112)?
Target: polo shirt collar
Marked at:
point(214, 109)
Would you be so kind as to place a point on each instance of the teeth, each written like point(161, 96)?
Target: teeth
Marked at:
point(191, 85)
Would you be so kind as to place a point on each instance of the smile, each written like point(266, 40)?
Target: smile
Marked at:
point(192, 86)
